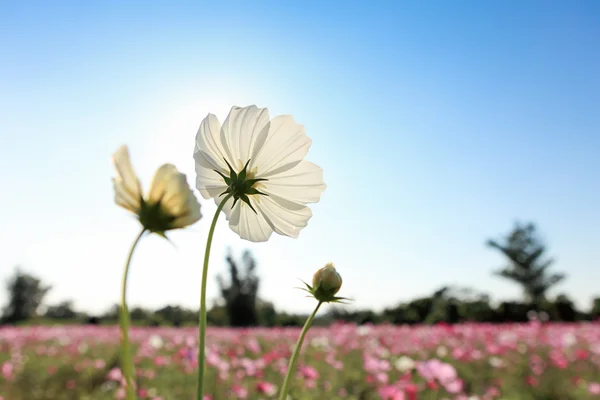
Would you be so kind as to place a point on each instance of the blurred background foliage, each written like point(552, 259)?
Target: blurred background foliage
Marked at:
point(241, 306)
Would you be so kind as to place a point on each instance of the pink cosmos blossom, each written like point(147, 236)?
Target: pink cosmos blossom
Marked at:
point(266, 388)
point(594, 388)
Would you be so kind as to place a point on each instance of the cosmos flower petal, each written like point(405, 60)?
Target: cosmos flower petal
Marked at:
point(242, 131)
point(126, 184)
point(209, 183)
point(302, 184)
point(124, 198)
point(250, 225)
point(286, 144)
point(175, 198)
point(284, 217)
point(162, 177)
point(192, 215)
point(209, 147)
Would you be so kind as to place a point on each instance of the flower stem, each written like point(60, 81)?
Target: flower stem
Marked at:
point(290, 371)
point(202, 322)
point(127, 361)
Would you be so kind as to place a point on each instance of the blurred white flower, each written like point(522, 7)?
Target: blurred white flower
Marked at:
point(170, 203)
point(569, 339)
point(320, 341)
point(363, 330)
point(404, 364)
point(496, 362)
point(155, 341)
point(442, 351)
point(259, 163)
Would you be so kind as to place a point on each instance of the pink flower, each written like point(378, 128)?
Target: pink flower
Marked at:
point(8, 370)
point(391, 392)
point(120, 394)
point(594, 388)
point(115, 375)
point(454, 386)
point(435, 370)
point(239, 391)
point(411, 390)
point(266, 388)
point(308, 372)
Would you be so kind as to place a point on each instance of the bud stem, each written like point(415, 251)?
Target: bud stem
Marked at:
point(127, 361)
point(291, 365)
point(202, 322)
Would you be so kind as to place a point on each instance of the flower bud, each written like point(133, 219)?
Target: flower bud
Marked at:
point(326, 283)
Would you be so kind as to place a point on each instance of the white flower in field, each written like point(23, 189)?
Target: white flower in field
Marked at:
point(569, 339)
point(363, 330)
point(170, 203)
point(404, 364)
point(259, 163)
point(442, 351)
point(320, 341)
point(155, 341)
point(496, 362)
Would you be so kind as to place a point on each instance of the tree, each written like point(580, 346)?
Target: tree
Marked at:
point(62, 310)
point(565, 308)
point(240, 294)
point(527, 267)
point(25, 293)
point(596, 307)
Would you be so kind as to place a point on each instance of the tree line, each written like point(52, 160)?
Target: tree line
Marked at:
point(241, 306)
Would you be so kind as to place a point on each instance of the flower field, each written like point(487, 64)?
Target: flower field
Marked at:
point(525, 361)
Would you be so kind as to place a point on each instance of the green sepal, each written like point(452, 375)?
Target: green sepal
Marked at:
point(332, 299)
point(239, 186)
point(254, 191)
point(232, 174)
point(251, 182)
point(243, 173)
point(226, 179)
point(246, 200)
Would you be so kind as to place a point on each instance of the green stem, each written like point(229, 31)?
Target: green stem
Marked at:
point(286, 381)
point(127, 362)
point(202, 322)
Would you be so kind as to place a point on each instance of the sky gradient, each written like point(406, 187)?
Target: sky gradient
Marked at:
point(438, 125)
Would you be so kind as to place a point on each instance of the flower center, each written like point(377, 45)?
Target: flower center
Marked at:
point(240, 185)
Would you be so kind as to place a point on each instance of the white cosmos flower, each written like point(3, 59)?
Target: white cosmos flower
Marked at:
point(170, 203)
point(268, 155)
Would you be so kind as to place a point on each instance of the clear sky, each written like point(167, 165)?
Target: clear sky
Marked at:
point(438, 125)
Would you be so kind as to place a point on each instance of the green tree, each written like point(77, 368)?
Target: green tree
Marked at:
point(525, 252)
point(25, 295)
point(596, 307)
point(63, 310)
point(565, 308)
point(241, 293)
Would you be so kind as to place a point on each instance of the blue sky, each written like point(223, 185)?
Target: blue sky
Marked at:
point(438, 125)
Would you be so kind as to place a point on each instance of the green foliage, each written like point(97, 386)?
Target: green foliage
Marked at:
point(527, 267)
point(61, 311)
point(25, 293)
point(596, 308)
point(241, 293)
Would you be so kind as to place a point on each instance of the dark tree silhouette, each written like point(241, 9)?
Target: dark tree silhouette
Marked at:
point(240, 294)
point(527, 267)
point(62, 310)
point(25, 294)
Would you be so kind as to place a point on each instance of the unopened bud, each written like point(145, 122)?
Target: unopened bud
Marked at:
point(326, 283)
